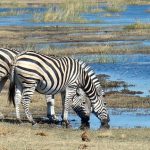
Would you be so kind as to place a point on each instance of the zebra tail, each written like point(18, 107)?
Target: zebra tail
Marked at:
point(11, 93)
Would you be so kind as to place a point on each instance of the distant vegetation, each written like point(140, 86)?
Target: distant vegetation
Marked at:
point(138, 25)
point(115, 6)
point(69, 11)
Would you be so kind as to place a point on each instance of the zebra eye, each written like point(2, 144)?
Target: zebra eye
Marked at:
point(103, 95)
point(83, 103)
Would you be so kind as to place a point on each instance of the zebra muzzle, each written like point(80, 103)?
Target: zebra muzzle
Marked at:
point(104, 124)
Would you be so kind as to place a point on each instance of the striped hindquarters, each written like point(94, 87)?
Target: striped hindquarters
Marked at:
point(6, 57)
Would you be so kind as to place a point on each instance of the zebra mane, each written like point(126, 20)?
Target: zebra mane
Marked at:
point(13, 49)
point(92, 76)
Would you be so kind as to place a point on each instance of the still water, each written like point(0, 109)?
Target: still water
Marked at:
point(119, 118)
point(132, 14)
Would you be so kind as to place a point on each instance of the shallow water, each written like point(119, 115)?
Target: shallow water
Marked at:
point(115, 44)
point(119, 118)
point(133, 69)
point(132, 14)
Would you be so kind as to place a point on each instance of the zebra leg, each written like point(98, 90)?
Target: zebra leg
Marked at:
point(2, 83)
point(70, 92)
point(50, 109)
point(26, 98)
point(85, 123)
point(17, 103)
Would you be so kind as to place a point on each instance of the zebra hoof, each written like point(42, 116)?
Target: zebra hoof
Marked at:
point(65, 124)
point(18, 121)
point(34, 124)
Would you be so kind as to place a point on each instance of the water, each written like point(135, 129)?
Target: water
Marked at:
point(119, 118)
point(116, 44)
point(131, 15)
point(134, 70)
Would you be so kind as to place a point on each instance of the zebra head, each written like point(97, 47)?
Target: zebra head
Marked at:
point(100, 110)
point(82, 106)
point(91, 86)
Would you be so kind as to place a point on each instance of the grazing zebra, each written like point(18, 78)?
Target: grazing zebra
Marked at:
point(6, 58)
point(49, 75)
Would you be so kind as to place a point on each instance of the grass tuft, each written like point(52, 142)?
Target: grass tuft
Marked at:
point(4, 130)
point(115, 6)
point(105, 134)
point(138, 25)
point(68, 11)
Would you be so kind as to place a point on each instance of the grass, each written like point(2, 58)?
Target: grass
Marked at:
point(68, 11)
point(16, 3)
point(115, 6)
point(104, 51)
point(27, 38)
point(126, 101)
point(45, 137)
point(137, 25)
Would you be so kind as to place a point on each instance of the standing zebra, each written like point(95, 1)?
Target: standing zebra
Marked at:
point(6, 58)
point(49, 75)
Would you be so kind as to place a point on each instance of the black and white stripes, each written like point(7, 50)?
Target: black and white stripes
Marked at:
point(50, 75)
point(7, 56)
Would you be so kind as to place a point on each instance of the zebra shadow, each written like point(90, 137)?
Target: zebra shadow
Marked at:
point(39, 120)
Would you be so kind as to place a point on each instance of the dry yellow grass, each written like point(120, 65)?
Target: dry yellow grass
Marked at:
point(125, 101)
point(61, 1)
point(27, 39)
point(45, 138)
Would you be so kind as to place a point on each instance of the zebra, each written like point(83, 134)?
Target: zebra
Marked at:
point(51, 74)
point(6, 58)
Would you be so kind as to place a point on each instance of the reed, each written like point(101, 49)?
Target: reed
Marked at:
point(138, 25)
point(68, 11)
point(115, 5)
